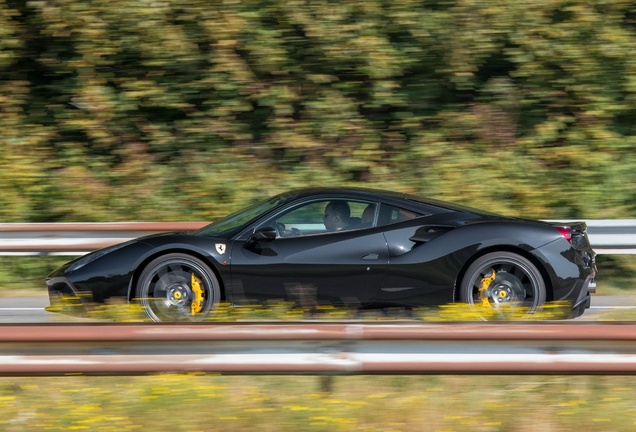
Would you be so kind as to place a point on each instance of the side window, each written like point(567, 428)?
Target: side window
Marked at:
point(307, 219)
point(324, 216)
point(390, 215)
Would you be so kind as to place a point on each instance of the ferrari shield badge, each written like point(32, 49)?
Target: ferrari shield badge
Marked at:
point(220, 248)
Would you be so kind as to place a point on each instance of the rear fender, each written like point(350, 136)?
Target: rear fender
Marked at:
point(428, 272)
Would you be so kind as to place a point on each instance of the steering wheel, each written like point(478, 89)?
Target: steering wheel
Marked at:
point(281, 231)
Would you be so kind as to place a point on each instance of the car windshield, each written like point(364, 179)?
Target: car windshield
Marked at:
point(232, 224)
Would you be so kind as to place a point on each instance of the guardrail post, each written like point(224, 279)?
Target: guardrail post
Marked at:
point(326, 384)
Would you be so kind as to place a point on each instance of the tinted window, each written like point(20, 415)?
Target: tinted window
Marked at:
point(391, 214)
point(323, 216)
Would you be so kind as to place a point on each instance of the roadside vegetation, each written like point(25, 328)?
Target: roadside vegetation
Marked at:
point(617, 275)
point(207, 403)
point(157, 111)
point(24, 276)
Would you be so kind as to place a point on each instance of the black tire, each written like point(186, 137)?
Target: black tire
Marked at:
point(167, 289)
point(517, 284)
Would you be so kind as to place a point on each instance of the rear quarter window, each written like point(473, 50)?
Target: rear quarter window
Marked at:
point(390, 214)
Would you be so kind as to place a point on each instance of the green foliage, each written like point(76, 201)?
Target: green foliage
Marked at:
point(24, 276)
point(616, 274)
point(186, 110)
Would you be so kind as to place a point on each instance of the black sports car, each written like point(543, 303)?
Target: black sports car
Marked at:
point(347, 246)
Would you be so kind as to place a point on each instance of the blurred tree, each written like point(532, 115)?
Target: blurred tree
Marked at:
point(188, 109)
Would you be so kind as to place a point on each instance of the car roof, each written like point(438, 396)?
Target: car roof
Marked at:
point(396, 197)
point(377, 193)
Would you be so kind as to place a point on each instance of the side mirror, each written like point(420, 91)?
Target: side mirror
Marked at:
point(265, 234)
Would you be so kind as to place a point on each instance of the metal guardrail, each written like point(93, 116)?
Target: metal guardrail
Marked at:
point(362, 349)
point(77, 238)
point(606, 236)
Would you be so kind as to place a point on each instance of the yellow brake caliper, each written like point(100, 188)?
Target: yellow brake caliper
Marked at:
point(197, 303)
point(485, 283)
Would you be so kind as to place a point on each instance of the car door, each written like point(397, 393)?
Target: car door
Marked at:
point(308, 264)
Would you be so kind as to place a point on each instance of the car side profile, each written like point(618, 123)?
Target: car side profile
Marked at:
point(341, 246)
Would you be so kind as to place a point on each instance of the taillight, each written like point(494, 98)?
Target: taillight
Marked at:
point(565, 232)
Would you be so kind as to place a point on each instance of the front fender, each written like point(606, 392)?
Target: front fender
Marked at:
point(204, 248)
point(107, 276)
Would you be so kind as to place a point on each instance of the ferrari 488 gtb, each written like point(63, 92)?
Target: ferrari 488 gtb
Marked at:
point(344, 246)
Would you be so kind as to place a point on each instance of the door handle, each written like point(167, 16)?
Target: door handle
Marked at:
point(371, 257)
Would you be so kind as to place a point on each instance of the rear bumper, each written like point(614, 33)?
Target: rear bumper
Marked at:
point(580, 308)
point(569, 272)
point(584, 300)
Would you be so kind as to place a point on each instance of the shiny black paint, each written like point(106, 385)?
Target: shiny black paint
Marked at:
point(336, 268)
point(426, 273)
point(413, 263)
point(106, 277)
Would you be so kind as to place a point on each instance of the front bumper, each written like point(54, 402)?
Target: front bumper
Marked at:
point(64, 297)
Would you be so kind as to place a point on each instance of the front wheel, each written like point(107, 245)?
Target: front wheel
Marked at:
point(502, 285)
point(177, 287)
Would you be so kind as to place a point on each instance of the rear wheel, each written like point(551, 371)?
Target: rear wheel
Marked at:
point(177, 287)
point(502, 285)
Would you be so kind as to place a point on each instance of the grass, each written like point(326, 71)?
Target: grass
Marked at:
point(616, 275)
point(206, 403)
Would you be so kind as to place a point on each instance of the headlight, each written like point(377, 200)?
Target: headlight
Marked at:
point(95, 255)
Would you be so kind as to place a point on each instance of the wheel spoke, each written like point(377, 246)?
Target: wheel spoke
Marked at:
point(176, 269)
point(487, 271)
point(529, 291)
point(160, 288)
point(162, 271)
point(519, 273)
point(477, 284)
point(508, 268)
point(171, 278)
